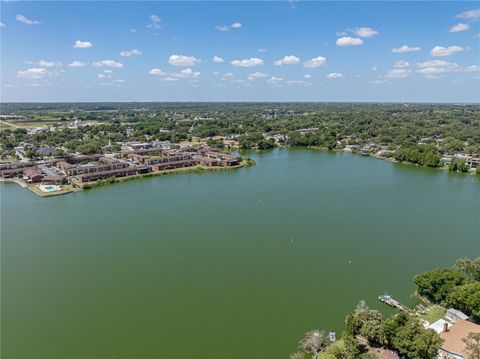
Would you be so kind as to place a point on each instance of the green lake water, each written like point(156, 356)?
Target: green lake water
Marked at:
point(233, 264)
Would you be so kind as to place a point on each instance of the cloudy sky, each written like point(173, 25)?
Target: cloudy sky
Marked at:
point(233, 51)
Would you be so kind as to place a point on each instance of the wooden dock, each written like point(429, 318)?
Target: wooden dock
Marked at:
point(387, 299)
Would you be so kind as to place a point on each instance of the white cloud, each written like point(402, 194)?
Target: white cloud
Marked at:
point(257, 75)
point(108, 71)
point(155, 22)
point(223, 28)
point(365, 32)
point(227, 75)
point(349, 41)
point(297, 82)
point(287, 60)
point(374, 68)
point(103, 76)
point(404, 49)
point(25, 20)
point(275, 79)
point(307, 76)
point(108, 63)
point(315, 62)
point(436, 63)
point(187, 73)
point(44, 63)
point(182, 60)
point(459, 27)
point(217, 59)
point(157, 72)
point(33, 73)
point(472, 68)
point(2, 24)
point(398, 73)
point(253, 61)
point(446, 51)
point(379, 82)
point(432, 71)
point(82, 44)
point(433, 68)
point(401, 64)
point(128, 53)
point(262, 50)
point(334, 75)
point(470, 14)
point(133, 31)
point(76, 64)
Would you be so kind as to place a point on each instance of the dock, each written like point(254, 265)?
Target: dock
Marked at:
point(387, 299)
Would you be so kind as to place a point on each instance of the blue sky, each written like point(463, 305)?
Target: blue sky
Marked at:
point(240, 51)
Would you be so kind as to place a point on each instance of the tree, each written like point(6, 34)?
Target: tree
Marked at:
point(416, 342)
point(472, 345)
point(351, 347)
point(367, 322)
point(297, 355)
point(314, 342)
point(466, 298)
point(350, 325)
point(391, 326)
point(469, 267)
point(31, 153)
point(372, 330)
point(439, 283)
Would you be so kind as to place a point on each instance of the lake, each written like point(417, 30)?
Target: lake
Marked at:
point(232, 264)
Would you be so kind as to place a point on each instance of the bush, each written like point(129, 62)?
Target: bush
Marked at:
point(437, 284)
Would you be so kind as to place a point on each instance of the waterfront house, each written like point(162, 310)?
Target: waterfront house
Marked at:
point(33, 175)
point(95, 176)
point(93, 168)
point(16, 164)
point(13, 172)
point(453, 346)
point(440, 325)
point(173, 164)
point(54, 179)
point(455, 315)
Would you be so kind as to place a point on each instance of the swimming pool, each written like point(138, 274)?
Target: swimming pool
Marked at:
point(49, 188)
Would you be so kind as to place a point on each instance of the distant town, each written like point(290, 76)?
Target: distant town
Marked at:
point(55, 175)
point(60, 148)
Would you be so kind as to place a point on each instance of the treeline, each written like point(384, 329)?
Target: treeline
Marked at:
point(401, 332)
point(422, 154)
point(457, 287)
point(451, 128)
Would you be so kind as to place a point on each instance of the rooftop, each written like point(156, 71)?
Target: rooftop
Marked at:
point(453, 337)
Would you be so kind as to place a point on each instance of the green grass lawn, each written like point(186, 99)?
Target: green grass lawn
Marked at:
point(433, 313)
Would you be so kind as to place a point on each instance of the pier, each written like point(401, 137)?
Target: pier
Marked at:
point(387, 299)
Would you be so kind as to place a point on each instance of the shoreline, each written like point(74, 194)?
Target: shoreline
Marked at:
point(392, 160)
point(246, 162)
point(77, 187)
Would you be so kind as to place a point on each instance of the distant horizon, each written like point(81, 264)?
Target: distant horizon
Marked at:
point(264, 51)
point(252, 102)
